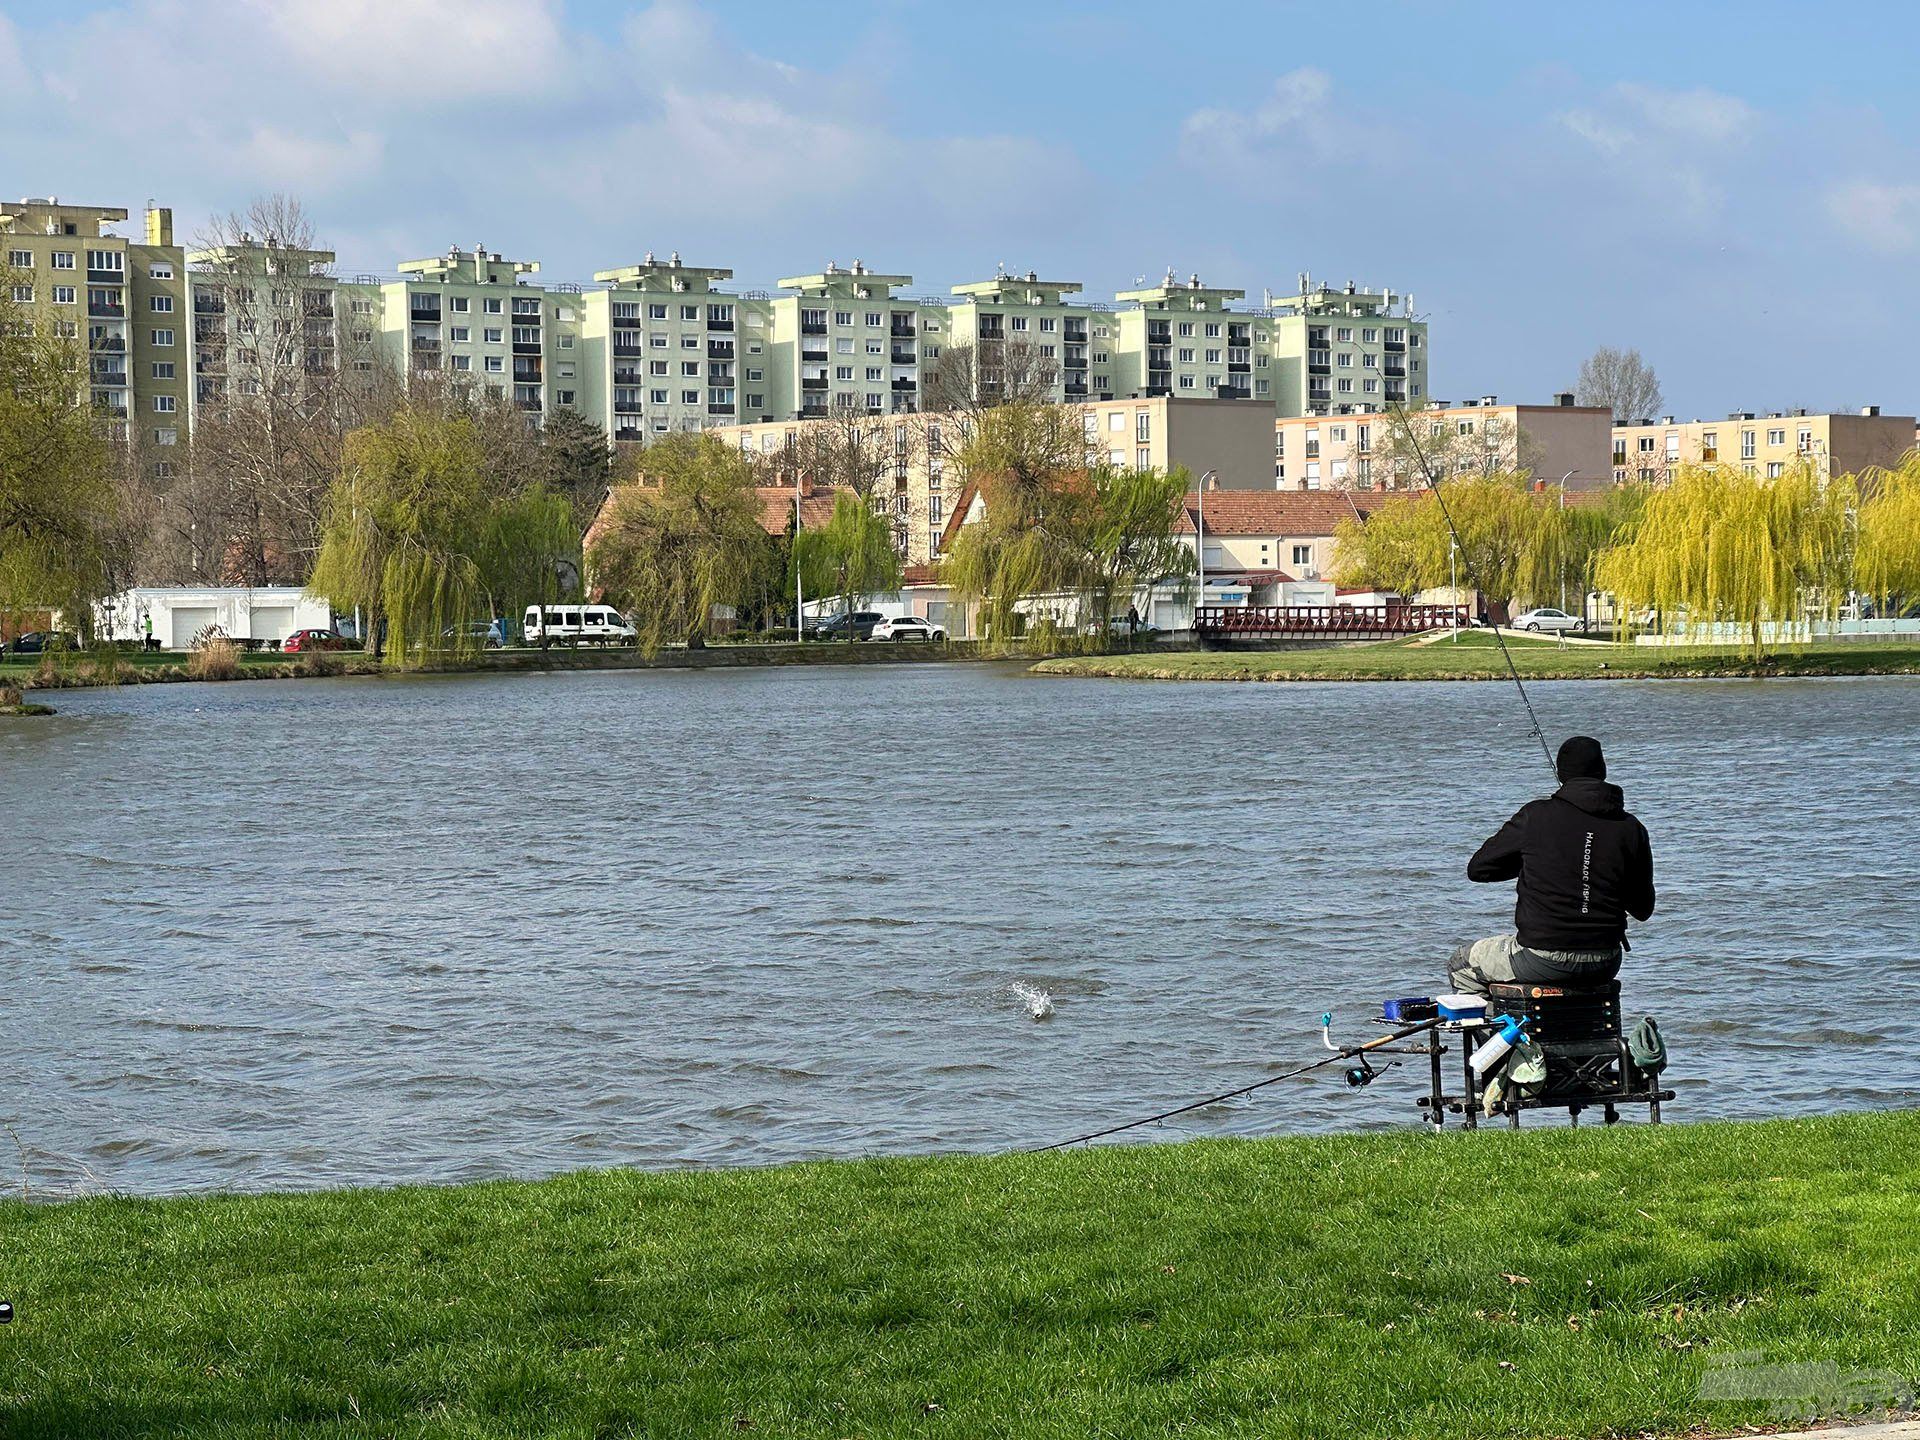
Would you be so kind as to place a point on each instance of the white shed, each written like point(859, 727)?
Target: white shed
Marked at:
point(268, 613)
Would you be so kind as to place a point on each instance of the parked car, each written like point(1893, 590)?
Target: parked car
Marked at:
point(856, 625)
point(484, 633)
point(1547, 618)
point(575, 625)
point(907, 627)
point(301, 641)
point(38, 642)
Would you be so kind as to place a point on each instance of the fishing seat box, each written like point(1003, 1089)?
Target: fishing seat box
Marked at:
point(1557, 1014)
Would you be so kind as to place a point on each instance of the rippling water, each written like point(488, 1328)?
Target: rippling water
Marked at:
point(320, 932)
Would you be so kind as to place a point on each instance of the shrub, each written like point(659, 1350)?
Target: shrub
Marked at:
point(218, 659)
point(315, 664)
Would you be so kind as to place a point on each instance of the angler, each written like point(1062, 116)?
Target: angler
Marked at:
point(1583, 863)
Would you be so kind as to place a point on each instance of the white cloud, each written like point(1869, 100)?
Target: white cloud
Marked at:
point(1665, 147)
point(1879, 215)
point(282, 160)
point(1295, 113)
point(419, 51)
point(14, 77)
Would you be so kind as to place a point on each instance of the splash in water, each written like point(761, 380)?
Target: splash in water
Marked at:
point(1038, 1002)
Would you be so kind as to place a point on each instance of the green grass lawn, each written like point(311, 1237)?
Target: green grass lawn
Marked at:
point(1475, 656)
point(1550, 1283)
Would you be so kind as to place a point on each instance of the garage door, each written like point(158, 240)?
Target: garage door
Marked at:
point(272, 622)
point(188, 621)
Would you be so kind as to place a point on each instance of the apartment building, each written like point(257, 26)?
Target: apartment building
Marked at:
point(662, 350)
point(903, 462)
point(1230, 439)
point(1559, 443)
point(1834, 443)
point(843, 340)
point(1014, 335)
point(1344, 351)
point(471, 313)
point(1181, 339)
point(270, 318)
point(122, 302)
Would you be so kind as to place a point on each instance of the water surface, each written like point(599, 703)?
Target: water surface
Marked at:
point(309, 933)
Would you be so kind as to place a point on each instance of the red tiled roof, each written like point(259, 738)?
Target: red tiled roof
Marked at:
point(1281, 512)
point(776, 508)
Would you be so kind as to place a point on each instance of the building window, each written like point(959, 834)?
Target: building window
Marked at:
point(23, 260)
point(166, 435)
point(1142, 458)
point(163, 337)
point(1303, 554)
point(161, 369)
point(111, 260)
point(1746, 445)
point(460, 334)
point(461, 362)
point(160, 270)
point(491, 334)
point(1775, 469)
point(23, 294)
point(492, 306)
point(161, 304)
point(163, 404)
point(65, 295)
point(689, 312)
point(459, 304)
point(495, 365)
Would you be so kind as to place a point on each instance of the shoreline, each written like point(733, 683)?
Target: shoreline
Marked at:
point(1361, 1284)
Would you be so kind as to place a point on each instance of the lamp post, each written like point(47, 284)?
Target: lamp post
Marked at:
point(1563, 549)
point(1200, 552)
point(799, 585)
point(1453, 587)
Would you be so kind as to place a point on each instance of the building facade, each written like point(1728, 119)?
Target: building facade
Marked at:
point(1012, 336)
point(1345, 351)
point(121, 302)
point(843, 341)
point(1559, 443)
point(1834, 443)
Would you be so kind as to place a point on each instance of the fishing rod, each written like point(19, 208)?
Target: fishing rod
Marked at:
point(1466, 563)
point(1339, 1053)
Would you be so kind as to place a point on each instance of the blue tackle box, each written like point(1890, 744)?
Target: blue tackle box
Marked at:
point(1410, 1009)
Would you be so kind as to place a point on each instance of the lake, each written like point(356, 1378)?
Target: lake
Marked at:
point(309, 933)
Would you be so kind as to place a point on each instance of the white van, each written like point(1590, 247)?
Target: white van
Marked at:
point(575, 624)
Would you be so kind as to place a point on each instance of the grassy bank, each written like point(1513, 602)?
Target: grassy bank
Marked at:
point(1477, 657)
point(1551, 1283)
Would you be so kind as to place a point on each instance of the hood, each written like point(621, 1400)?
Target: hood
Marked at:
point(1596, 797)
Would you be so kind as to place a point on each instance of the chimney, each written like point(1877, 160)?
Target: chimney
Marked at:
point(1539, 487)
point(159, 224)
point(1666, 420)
point(1564, 399)
point(1869, 409)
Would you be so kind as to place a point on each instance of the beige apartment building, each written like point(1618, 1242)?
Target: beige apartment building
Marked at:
point(1767, 445)
point(1560, 442)
point(123, 304)
point(1229, 439)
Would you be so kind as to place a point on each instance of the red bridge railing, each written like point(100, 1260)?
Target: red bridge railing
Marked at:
point(1329, 622)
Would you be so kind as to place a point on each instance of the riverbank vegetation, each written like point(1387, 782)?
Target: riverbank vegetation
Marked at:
point(1475, 656)
point(1554, 1282)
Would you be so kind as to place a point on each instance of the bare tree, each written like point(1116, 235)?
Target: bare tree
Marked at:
point(1403, 445)
point(285, 365)
point(970, 377)
point(876, 456)
point(1621, 381)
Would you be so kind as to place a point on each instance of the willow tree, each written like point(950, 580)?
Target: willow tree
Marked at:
point(60, 508)
point(1130, 540)
point(852, 556)
point(1406, 546)
point(1887, 562)
point(1720, 546)
point(687, 538)
point(418, 533)
point(1028, 466)
point(1569, 539)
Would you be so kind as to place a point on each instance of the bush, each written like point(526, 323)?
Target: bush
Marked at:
point(217, 659)
point(315, 664)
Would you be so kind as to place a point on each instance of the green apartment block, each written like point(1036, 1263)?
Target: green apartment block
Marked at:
point(123, 304)
point(1015, 334)
point(844, 342)
point(1344, 351)
point(662, 350)
point(1182, 340)
point(471, 313)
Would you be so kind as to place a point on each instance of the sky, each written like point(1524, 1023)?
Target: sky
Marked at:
point(1734, 189)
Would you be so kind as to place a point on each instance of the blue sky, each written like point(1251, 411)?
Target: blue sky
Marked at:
point(1733, 188)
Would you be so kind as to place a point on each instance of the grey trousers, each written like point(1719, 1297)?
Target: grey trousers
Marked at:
point(1474, 967)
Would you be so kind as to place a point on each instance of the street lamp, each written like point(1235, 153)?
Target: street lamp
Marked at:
point(1563, 549)
point(1200, 550)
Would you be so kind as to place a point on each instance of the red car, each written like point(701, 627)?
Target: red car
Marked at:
point(314, 640)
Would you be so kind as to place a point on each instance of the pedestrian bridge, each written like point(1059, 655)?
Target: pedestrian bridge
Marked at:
point(1323, 622)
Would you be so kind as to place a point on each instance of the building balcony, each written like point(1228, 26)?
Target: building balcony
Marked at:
point(430, 361)
point(1235, 392)
point(626, 377)
point(107, 344)
point(1238, 368)
point(1070, 363)
point(629, 351)
point(993, 332)
point(1075, 389)
point(905, 405)
point(626, 407)
point(1319, 370)
point(431, 313)
point(109, 308)
point(1395, 392)
point(1399, 371)
point(808, 327)
point(903, 357)
point(526, 347)
point(106, 277)
point(526, 374)
point(719, 324)
point(902, 332)
point(719, 408)
point(526, 312)
point(112, 412)
point(531, 406)
point(812, 412)
point(209, 305)
point(812, 386)
point(720, 350)
point(429, 344)
point(626, 432)
point(102, 375)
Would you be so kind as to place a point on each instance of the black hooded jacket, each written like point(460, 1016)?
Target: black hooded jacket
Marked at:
point(1584, 864)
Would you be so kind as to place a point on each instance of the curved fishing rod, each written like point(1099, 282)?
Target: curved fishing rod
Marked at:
point(1466, 563)
point(1338, 1054)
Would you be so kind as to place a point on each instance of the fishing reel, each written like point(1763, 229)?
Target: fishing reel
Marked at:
point(1362, 1075)
point(6, 1312)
